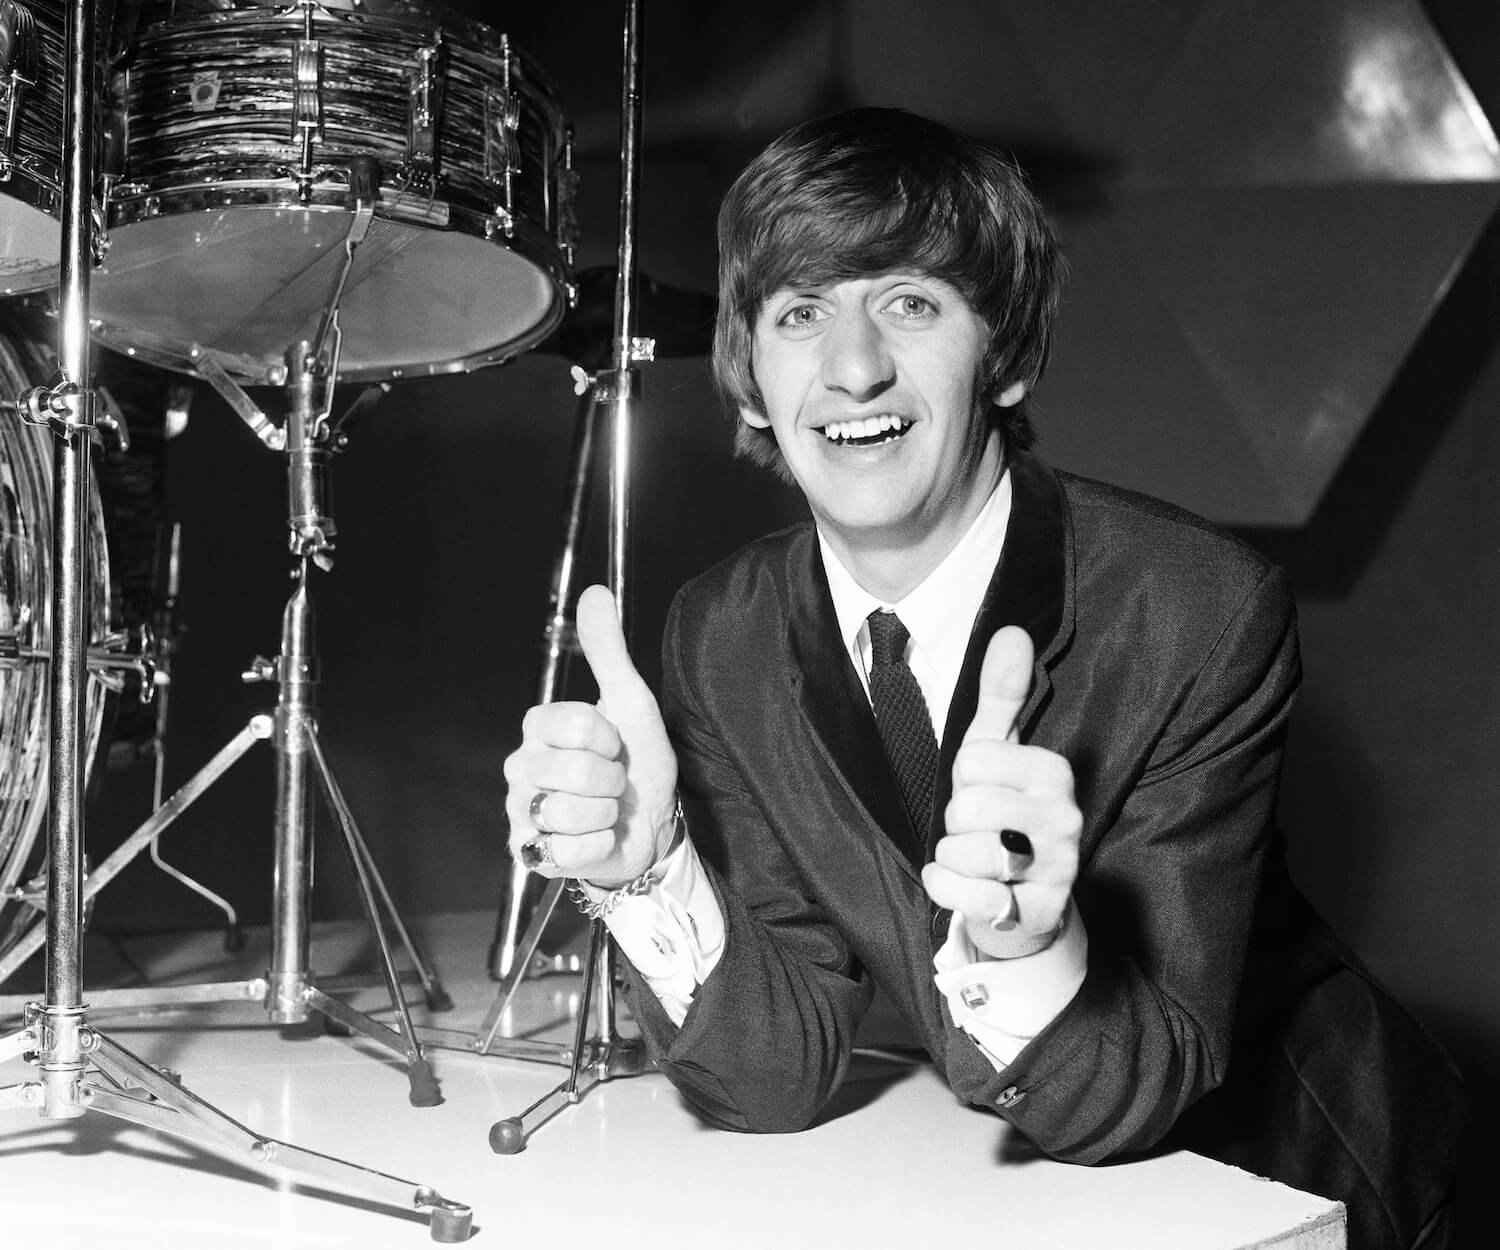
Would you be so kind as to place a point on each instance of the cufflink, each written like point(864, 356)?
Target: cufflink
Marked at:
point(974, 996)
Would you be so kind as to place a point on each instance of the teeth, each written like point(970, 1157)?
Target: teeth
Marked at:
point(864, 427)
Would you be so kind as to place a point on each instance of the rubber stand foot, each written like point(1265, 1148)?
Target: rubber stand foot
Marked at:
point(234, 939)
point(451, 1225)
point(425, 1091)
point(438, 1000)
point(506, 1137)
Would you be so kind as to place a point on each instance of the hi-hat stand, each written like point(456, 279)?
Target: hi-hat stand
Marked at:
point(80, 1069)
point(604, 1054)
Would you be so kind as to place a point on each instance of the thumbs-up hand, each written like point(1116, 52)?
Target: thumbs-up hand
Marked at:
point(1007, 863)
point(606, 772)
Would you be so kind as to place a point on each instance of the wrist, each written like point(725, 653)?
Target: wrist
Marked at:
point(596, 899)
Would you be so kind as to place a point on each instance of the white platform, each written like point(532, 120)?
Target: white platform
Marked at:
point(629, 1166)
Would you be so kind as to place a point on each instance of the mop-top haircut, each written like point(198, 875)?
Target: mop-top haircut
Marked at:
point(874, 191)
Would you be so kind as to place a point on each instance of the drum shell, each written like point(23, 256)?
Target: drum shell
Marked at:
point(210, 104)
point(26, 528)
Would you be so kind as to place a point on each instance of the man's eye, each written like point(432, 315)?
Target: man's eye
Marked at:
point(912, 306)
point(801, 315)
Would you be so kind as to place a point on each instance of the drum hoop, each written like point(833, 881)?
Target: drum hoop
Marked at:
point(41, 182)
point(274, 187)
point(525, 240)
point(524, 237)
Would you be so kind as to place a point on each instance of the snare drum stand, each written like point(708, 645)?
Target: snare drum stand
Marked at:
point(80, 1069)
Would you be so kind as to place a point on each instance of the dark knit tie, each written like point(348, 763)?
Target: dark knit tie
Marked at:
point(901, 714)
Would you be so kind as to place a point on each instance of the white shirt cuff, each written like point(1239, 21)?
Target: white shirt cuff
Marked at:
point(1003, 1003)
point(674, 932)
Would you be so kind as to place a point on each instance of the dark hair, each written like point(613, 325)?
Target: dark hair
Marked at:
point(876, 190)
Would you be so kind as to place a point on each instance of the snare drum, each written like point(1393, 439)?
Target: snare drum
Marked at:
point(227, 234)
point(26, 612)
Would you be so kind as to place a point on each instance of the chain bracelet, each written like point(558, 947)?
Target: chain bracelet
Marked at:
point(598, 910)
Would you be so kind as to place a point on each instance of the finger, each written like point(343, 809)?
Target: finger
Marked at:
point(562, 813)
point(1041, 820)
point(991, 762)
point(975, 898)
point(986, 855)
point(980, 900)
point(571, 855)
point(621, 688)
point(573, 772)
point(1004, 683)
point(570, 726)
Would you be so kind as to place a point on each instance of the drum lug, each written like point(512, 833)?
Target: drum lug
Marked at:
point(307, 101)
point(424, 109)
point(567, 209)
point(502, 122)
point(17, 72)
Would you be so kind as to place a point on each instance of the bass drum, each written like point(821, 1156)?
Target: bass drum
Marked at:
point(25, 621)
point(242, 129)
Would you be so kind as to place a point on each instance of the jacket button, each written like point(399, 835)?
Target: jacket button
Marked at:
point(1010, 1096)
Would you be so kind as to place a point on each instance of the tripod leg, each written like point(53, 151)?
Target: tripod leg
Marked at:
point(508, 1136)
point(514, 906)
point(540, 918)
point(141, 1094)
point(258, 729)
point(432, 989)
point(424, 1086)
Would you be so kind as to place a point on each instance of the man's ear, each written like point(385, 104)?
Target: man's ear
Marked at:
point(751, 416)
point(1011, 395)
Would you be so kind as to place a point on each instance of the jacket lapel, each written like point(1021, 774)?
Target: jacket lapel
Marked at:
point(1032, 587)
point(833, 701)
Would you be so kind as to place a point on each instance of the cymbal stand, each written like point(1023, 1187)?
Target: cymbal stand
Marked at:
point(561, 644)
point(80, 1069)
point(604, 1055)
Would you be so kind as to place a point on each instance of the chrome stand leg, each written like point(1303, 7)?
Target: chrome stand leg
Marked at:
point(561, 644)
point(102, 1076)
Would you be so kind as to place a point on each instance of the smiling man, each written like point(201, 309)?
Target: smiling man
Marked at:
point(996, 740)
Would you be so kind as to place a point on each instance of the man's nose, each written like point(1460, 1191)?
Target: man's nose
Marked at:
point(856, 358)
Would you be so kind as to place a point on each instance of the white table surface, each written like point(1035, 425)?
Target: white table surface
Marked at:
point(629, 1166)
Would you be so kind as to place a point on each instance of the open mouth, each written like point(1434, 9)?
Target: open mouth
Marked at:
point(866, 432)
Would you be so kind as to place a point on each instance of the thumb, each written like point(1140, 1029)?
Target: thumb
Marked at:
point(621, 688)
point(1004, 683)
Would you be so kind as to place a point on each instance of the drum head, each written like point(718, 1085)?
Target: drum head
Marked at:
point(29, 241)
point(247, 283)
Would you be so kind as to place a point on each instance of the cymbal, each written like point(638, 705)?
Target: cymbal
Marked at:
point(680, 320)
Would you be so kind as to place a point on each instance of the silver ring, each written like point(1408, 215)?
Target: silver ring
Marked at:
point(534, 812)
point(538, 853)
point(1004, 922)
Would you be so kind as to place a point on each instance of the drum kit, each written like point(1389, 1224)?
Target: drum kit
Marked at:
point(262, 194)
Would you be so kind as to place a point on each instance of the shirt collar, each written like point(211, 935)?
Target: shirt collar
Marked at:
point(939, 612)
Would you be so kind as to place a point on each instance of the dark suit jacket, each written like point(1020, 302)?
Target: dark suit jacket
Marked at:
point(1166, 668)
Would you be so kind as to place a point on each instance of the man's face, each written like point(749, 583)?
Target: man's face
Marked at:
point(869, 386)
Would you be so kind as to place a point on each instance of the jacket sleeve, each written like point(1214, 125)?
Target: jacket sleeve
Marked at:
point(768, 1037)
point(1168, 889)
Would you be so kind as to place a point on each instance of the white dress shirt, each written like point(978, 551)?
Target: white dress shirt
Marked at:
point(674, 932)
